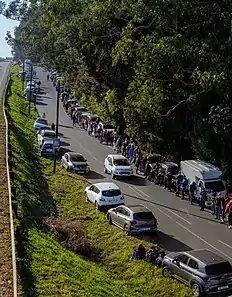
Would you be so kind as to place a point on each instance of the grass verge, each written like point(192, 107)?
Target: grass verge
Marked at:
point(6, 288)
point(46, 268)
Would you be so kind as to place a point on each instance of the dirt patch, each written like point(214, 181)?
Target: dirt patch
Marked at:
point(72, 236)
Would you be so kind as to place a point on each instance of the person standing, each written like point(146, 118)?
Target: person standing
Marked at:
point(192, 189)
point(147, 170)
point(230, 217)
point(203, 198)
point(47, 77)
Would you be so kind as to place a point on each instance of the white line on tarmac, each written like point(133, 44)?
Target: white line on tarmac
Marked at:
point(87, 151)
point(175, 214)
point(222, 242)
point(194, 234)
point(140, 191)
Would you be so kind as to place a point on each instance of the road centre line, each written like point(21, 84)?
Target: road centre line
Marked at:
point(222, 242)
point(195, 235)
point(87, 151)
point(140, 191)
point(179, 216)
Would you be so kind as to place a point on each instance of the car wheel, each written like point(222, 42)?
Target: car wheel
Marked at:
point(97, 206)
point(113, 176)
point(109, 219)
point(105, 170)
point(196, 290)
point(86, 197)
point(166, 272)
point(126, 230)
point(68, 169)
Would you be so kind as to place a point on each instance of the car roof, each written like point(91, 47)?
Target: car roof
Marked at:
point(71, 154)
point(49, 131)
point(117, 157)
point(138, 208)
point(206, 256)
point(107, 186)
point(169, 164)
point(41, 119)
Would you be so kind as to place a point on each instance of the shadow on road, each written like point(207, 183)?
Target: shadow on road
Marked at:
point(136, 180)
point(64, 150)
point(63, 143)
point(165, 241)
point(41, 103)
point(95, 175)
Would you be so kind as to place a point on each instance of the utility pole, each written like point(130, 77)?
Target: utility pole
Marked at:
point(57, 123)
point(31, 77)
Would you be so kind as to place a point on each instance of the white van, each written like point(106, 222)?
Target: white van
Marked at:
point(205, 175)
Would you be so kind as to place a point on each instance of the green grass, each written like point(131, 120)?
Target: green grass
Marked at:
point(46, 268)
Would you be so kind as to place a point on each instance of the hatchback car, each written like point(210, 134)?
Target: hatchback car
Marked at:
point(44, 135)
point(43, 128)
point(39, 123)
point(75, 162)
point(104, 195)
point(48, 149)
point(202, 270)
point(132, 219)
point(117, 166)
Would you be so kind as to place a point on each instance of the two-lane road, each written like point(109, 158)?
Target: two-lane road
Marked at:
point(182, 226)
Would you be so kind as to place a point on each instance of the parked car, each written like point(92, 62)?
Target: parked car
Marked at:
point(117, 166)
point(75, 162)
point(104, 195)
point(43, 128)
point(40, 123)
point(202, 270)
point(132, 219)
point(48, 150)
point(44, 135)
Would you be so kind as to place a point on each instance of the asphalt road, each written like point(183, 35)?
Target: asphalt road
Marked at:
point(4, 67)
point(181, 226)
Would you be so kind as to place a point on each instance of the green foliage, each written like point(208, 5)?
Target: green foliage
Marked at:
point(46, 268)
point(158, 69)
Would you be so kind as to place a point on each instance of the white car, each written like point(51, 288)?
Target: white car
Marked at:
point(31, 83)
point(117, 166)
point(75, 162)
point(104, 195)
point(40, 123)
point(28, 90)
point(44, 135)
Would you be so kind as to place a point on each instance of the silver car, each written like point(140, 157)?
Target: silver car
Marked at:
point(132, 219)
point(202, 270)
point(75, 162)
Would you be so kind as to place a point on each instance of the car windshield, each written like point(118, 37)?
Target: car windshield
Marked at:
point(143, 216)
point(77, 158)
point(49, 134)
point(219, 268)
point(111, 193)
point(121, 162)
point(108, 126)
point(42, 121)
point(216, 186)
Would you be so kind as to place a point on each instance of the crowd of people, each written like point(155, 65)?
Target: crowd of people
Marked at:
point(145, 164)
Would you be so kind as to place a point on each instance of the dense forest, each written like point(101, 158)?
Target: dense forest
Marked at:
point(159, 69)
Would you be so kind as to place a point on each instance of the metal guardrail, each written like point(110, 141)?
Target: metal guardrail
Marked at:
point(6, 77)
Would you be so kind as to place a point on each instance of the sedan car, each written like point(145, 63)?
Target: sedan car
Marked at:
point(132, 219)
point(48, 149)
point(202, 270)
point(40, 123)
point(104, 195)
point(44, 135)
point(117, 166)
point(75, 162)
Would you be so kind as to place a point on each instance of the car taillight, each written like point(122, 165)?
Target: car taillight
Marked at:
point(102, 199)
point(133, 222)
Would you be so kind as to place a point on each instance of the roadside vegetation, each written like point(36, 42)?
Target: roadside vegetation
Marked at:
point(53, 265)
point(6, 285)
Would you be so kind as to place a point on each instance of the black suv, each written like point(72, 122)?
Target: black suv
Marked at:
point(202, 270)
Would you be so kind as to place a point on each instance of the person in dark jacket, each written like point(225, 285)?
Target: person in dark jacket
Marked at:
point(147, 170)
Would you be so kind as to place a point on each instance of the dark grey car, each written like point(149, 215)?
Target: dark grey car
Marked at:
point(202, 270)
point(132, 219)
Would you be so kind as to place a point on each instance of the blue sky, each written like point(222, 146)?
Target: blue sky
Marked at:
point(5, 25)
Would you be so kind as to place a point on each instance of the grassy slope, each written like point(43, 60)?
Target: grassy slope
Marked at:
point(6, 289)
point(46, 268)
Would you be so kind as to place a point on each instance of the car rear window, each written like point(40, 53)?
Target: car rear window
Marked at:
point(143, 216)
point(219, 268)
point(111, 193)
point(48, 146)
point(49, 134)
point(42, 121)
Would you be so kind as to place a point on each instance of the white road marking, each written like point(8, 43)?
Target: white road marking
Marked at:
point(194, 234)
point(141, 192)
point(87, 151)
point(175, 214)
point(140, 195)
point(222, 242)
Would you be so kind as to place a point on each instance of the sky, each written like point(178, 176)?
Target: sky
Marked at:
point(6, 25)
